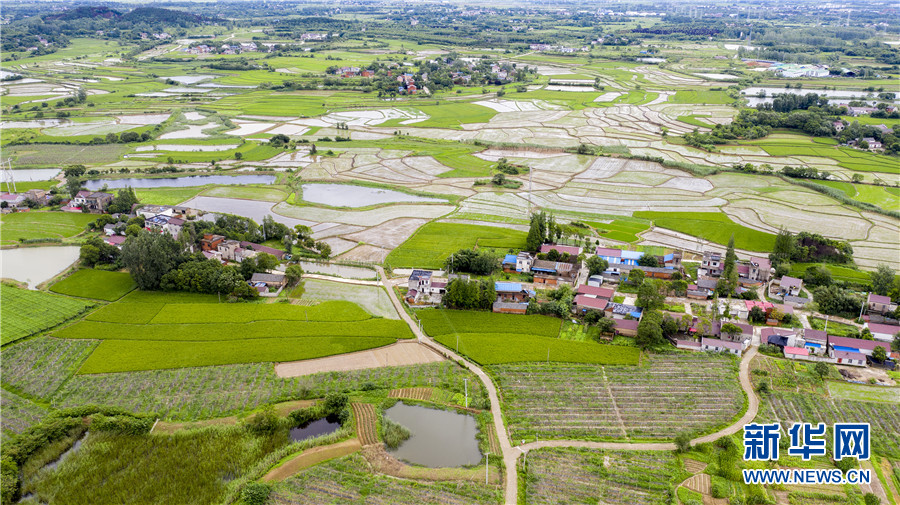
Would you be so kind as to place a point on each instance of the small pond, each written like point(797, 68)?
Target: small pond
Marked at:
point(179, 182)
point(34, 265)
point(32, 174)
point(252, 209)
point(440, 438)
point(315, 428)
point(345, 195)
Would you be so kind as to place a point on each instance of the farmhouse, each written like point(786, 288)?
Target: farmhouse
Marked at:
point(94, 201)
point(883, 332)
point(211, 242)
point(626, 327)
point(711, 265)
point(278, 253)
point(621, 311)
point(561, 249)
point(116, 240)
point(716, 345)
point(12, 200)
point(880, 304)
point(585, 303)
point(519, 263)
point(688, 345)
point(760, 270)
point(744, 336)
point(856, 345)
point(796, 353)
point(790, 286)
point(596, 292)
point(815, 341)
point(423, 287)
point(264, 282)
point(780, 337)
point(554, 272)
point(512, 292)
point(510, 307)
point(618, 257)
point(849, 358)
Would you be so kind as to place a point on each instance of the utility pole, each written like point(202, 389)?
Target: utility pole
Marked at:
point(826, 325)
point(864, 305)
point(467, 392)
point(486, 458)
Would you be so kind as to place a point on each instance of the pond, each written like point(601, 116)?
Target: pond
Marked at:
point(440, 438)
point(315, 428)
point(179, 182)
point(34, 265)
point(346, 195)
point(347, 272)
point(32, 174)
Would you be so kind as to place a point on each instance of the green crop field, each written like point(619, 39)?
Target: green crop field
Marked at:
point(452, 115)
point(25, 312)
point(713, 226)
point(882, 196)
point(36, 225)
point(143, 331)
point(166, 196)
point(702, 97)
point(129, 355)
point(623, 231)
point(838, 272)
point(97, 284)
point(862, 392)
point(516, 338)
point(434, 242)
point(22, 187)
point(846, 157)
point(56, 155)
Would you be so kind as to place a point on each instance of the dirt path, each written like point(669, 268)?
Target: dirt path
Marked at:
point(399, 354)
point(511, 454)
point(341, 279)
point(311, 457)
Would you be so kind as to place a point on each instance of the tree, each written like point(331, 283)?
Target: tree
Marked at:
point(324, 250)
point(648, 260)
point(238, 155)
point(882, 279)
point(256, 493)
point(816, 275)
point(90, 255)
point(636, 277)
point(895, 345)
point(124, 200)
point(731, 329)
point(729, 267)
point(784, 246)
point(879, 354)
point(821, 369)
point(871, 499)
point(74, 171)
point(606, 326)
point(596, 265)
point(650, 296)
point(682, 443)
point(73, 186)
point(649, 331)
point(150, 256)
point(537, 232)
point(265, 262)
point(756, 315)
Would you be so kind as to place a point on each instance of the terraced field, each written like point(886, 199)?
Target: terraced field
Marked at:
point(674, 394)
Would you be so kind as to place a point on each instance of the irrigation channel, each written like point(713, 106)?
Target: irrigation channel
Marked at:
point(511, 454)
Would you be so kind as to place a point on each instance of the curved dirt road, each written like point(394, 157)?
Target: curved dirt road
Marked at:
point(511, 454)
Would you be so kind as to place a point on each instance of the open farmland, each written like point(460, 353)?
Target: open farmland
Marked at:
point(18, 413)
point(38, 366)
point(147, 335)
point(712, 226)
point(206, 392)
point(674, 394)
point(26, 312)
point(371, 298)
point(349, 480)
point(434, 242)
point(97, 284)
point(557, 475)
point(37, 225)
point(490, 338)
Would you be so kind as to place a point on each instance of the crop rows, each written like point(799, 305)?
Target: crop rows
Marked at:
point(39, 366)
point(348, 480)
point(18, 413)
point(444, 322)
point(883, 417)
point(26, 312)
point(204, 392)
point(589, 476)
point(674, 394)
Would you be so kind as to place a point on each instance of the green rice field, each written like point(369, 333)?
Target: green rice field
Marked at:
point(41, 224)
point(713, 226)
point(434, 242)
point(97, 284)
point(26, 312)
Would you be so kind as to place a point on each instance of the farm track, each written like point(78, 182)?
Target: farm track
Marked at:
point(510, 456)
point(366, 429)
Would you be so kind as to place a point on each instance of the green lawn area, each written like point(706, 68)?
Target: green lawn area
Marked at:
point(695, 120)
point(623, 231)
point(834, 328)
point(885, 197)
point(434, 242)
point(862, 392)
point(838, 273)
point(96, 284)
point(452, 115)
point(801, 145)
point(22, 187)
point(247, 192)
point(26, 312)
point(40, 224)
point(713, 226)
point(155, 330)
point(166, 196)
point(516, 338)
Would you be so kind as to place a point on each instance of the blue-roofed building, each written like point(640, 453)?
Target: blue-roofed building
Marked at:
point(512, 297)
point(509, 262)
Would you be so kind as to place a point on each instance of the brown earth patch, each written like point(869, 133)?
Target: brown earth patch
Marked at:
point(311, 457)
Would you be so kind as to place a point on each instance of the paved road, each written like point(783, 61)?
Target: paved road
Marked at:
point(511, 454)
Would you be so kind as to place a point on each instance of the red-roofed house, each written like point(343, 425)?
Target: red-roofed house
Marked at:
point(585, 303)
point(561, 249)
point(116, 240)
point(880, 304)
point(796, 353)
point(627, 327)
point(883, 332)
point(595, 292)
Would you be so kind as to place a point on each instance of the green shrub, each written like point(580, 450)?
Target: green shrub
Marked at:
point(393, 433)
point(256, 493)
